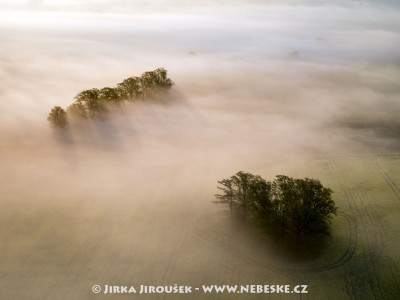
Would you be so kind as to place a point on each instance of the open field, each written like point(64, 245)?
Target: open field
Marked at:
point(300, 88)
point(59, 241)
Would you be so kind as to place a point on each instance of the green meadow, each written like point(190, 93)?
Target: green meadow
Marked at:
point(59, 241)
point(106, 181)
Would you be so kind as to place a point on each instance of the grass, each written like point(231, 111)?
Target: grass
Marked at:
point(72, 233)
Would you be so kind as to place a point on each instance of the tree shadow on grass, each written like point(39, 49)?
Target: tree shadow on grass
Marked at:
point(288, 246)
point(306, 248)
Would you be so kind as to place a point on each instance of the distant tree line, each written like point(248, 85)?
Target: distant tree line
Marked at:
point(285, 206)
point(92, 103)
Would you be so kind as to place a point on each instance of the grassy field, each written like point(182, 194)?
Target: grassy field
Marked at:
point(299, 88)
point(61, 234)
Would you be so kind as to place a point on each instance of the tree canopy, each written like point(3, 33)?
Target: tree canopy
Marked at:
point(93, 102)
point(131, 88)
point(286, 205)
point(58, 117)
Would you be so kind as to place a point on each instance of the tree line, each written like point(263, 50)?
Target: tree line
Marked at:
point(285, 206)
point(93, 102)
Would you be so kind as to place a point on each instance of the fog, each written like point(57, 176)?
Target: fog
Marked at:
point(257, 87)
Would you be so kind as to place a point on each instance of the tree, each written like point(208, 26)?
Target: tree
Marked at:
point(154, 82)
point(241, 190)
point(77, 110)
point(58, 117)
point(298, 207)
point(91, 100)
point(228, 193)
point(242, 182)
point(131, 88)
point(148, 82)
point(86, 95)
point(162, 80)
point(261, 195)
point(310, 209)
point(110, 95)
point(284, 198)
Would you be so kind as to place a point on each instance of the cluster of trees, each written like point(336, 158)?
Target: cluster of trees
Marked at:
point(286, 206)
point(92, 103)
